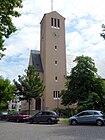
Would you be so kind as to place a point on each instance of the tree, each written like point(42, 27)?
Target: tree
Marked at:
point(84, 85)
point(29, 85)
point(103, 31)
point(6, 91)
point(7, 11)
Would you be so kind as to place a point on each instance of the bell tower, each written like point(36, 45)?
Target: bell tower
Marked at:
point(53, 57)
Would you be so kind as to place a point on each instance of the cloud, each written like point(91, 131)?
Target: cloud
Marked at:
point(83, 20)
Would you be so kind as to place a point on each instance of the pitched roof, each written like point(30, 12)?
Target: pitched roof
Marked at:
point(36, 60)
point(51, 13)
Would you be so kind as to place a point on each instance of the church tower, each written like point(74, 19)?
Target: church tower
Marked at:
point(50, 62)
point(53, 58)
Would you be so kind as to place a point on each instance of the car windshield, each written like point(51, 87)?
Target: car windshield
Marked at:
point(102, 113)
point(22, 113)
point(4, 113)
point(54, 113)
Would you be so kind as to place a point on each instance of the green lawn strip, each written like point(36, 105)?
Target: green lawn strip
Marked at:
point(63, 121)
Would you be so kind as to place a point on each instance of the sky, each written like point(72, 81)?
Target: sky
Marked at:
point(83, 25)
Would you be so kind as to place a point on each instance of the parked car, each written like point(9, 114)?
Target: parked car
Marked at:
point(3, 115)
point(17, 117)
point(45, 117)
point(88, 117)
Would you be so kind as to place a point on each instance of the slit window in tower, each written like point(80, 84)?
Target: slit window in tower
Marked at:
point(55, 62)
point(58, 23)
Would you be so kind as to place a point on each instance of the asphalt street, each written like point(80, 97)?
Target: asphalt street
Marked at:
point(25, 131)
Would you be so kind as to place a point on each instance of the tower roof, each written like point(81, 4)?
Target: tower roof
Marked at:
point(53, 12)
point(36, 60)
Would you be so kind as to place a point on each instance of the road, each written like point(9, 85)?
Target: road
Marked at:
point(25, 131)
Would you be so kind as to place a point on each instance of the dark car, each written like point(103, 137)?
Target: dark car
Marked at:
point(3, 115)
point(17, 117)
point(88, 117)
point(44, 117)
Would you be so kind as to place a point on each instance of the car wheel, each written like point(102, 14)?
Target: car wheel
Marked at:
point(31, 121)
point(99, 122)
point(56, 122)
point(73, 122)
point(7, 119)
point(49, 121)
point(17, 120)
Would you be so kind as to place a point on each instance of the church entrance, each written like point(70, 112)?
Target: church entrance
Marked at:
point(38, 104)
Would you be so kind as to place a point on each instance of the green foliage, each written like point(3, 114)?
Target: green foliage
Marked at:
point(84, 86)
point(29, 85)
point(6, 91)
point(7, 11)
point(64, 113)
point(103, 31)
point(64, 121)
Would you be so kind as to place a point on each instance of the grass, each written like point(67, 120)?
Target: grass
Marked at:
point(63, 121)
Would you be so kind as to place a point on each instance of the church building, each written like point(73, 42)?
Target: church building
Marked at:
point(50, 61)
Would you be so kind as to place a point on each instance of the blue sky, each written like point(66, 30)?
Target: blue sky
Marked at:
point(83, 20)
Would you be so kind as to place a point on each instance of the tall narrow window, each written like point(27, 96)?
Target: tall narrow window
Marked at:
point(56, 78)
point(51, 21)
point(55, 62)
point(56, 95)
point(56, 48)
point(58, 23)
point(55, 23)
